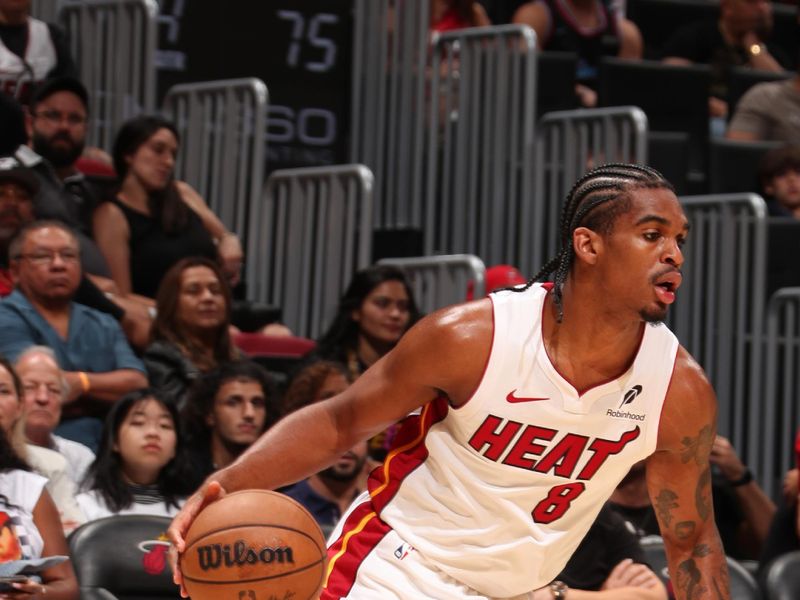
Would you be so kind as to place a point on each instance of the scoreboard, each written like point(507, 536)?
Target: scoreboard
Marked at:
point(301, 49)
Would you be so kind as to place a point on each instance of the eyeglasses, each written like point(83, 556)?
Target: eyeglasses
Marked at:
point(55, 117)
point(46, 258)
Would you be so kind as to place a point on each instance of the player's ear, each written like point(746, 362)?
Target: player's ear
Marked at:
point(586, 244)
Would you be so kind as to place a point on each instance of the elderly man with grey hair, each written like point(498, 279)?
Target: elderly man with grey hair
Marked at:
point(45, 388)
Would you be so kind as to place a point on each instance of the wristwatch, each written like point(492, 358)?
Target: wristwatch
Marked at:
point(559, 590)
point(746, 478)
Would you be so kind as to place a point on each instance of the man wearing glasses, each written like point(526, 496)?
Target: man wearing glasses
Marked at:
point(99, 365)
point(56, 127)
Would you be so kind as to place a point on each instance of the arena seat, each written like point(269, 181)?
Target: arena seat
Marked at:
point(783, 577)
point(733, 165)
point(555, 76)
point(123, 558)
point(658, 19)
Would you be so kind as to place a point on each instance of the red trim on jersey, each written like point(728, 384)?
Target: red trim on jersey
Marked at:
point(602, 383)
point(362, 531)
point(408, 453)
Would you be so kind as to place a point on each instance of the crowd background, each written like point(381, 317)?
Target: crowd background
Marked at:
point(126, 373)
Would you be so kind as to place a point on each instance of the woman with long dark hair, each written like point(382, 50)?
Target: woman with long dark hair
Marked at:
point(140, 466)
point(376, 310)
point(190, 334)
point(30, 526)
point(154, 221)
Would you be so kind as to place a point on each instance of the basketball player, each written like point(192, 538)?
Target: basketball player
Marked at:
point(531, 406)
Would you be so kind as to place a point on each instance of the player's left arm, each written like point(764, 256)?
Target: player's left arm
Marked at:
point(679, 482)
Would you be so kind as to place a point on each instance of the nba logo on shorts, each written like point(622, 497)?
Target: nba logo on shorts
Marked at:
point(402, 551)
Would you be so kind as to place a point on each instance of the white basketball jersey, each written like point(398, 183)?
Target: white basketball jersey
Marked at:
point(499, 492)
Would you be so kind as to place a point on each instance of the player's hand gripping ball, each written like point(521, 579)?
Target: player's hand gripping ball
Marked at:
point(254, 545)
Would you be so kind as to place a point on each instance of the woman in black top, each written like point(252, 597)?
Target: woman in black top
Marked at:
point(155, 221)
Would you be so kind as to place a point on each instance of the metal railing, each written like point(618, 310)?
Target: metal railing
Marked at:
point(308, 235)
point(720, 311)
point(480, 141)
point(46, 10)
point(113, 43)
point(223, 136)
point(568, 144)
point(439, 281)
point(777, 406)
point(390, 66)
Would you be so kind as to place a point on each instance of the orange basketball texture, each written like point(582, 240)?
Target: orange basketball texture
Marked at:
point(254, 545)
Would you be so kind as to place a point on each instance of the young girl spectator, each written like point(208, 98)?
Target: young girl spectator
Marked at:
point(376, 310)
point(29, 522)
point(140, 467)
point(155, 221)
point(190, 334)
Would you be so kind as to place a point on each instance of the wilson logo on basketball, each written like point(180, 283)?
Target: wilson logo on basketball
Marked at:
point(214, 556)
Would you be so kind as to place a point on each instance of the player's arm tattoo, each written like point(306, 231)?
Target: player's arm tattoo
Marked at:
point(690, 578)
point(698, 448)
point(702, 495)
point(666, 501)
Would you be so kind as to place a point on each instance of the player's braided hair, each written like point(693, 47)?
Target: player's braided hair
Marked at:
point(589, 204)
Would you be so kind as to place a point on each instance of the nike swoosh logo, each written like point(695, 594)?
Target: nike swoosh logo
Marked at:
point(515, 399)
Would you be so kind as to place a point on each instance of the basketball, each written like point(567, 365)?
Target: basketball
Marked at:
point(254, 545)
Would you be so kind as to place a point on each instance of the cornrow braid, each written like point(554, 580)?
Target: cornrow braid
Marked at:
point(600, 186)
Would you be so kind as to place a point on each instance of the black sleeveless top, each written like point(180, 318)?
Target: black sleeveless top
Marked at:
point(153, 251)
point(566, 35)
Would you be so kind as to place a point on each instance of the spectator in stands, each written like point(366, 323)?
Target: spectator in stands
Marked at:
point(318, 380)
point(190, 334)
point(30, 50)
point(784, 531)
point(609, 563)
point(589, 28)
point(44, 389)
point(155, 221)
point(37, 531)
point(449, 15)
point(47, 463)
point(326, 494)
point(98, 363)
point(56, 126)
point(141, 466)
point(768, 111)
point(779, 174)
point(226, 411)
point(17, 188)
point(740, 37)
point(376, 310)
point(741, 508)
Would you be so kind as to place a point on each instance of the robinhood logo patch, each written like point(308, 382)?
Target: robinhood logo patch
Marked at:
point(630, 395)
point(214, 556)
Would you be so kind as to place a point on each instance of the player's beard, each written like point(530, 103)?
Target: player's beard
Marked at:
point(58, 156)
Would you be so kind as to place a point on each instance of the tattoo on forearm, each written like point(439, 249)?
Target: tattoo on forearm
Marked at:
point(698, 448)
point(690, 578)
point(685, 529)
point(665, 502)
point(702, 495)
